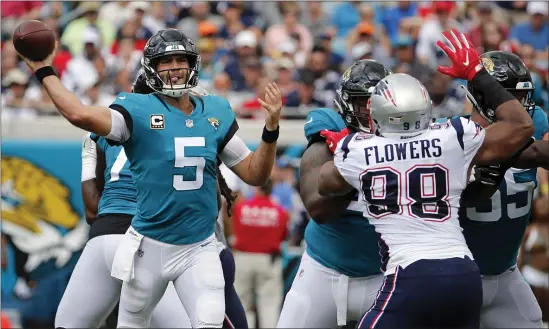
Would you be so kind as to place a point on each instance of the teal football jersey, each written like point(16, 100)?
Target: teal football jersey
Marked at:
point(494, 228)
point(172, 158)
point(119, 195)
point(348, 244)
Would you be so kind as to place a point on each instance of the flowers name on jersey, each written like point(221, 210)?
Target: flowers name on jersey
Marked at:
point(38, 217)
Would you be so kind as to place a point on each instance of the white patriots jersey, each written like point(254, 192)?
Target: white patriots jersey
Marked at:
point(410, 188)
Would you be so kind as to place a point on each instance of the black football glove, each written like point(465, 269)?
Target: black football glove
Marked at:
point(488, 175)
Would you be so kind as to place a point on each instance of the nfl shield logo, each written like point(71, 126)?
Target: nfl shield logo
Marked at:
point(189, 123)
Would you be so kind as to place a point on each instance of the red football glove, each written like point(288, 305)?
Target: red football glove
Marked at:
point(332, 137)
point(465, 59)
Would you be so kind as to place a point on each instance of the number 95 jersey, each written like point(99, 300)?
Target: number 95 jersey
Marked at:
point(172, 158)
point(411, 188)
point(494, 228)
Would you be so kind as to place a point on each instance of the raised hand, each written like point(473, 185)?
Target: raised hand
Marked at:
point(333, 138)
point(272, 105)
point(465, 59)
point(35, 65)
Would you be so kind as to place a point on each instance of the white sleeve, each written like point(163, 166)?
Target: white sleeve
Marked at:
point(470, 136)
point(234, 152)
point(347, 161)
point(119, 129)
point(89, 158)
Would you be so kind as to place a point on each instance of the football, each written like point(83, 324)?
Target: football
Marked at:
point(34, 40)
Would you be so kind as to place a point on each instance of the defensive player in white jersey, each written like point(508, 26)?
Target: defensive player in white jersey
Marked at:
point(339, 274)
point(410, 176)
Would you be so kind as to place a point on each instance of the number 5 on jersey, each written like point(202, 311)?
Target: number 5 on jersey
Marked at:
point(182, 161)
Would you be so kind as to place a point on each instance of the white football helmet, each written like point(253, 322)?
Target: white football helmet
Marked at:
point(400, 106)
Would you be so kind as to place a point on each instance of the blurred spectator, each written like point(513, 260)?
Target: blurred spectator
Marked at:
point(284, 180)
point(39, 99)
point(336, 60)
point(393, 16)
point(364, 34)
point(259, 227)
point(326, 80)
point(493, 39)
point(290, 30)
point(285, 70)
point(93, 95)
point(251, 107)
point(245, 46)
point(9, 60)
point(233, 23)
point(14, 102)
point(314, 18)
point(75, 31)
point(427, 51)
point(405, 61)
point(14, 12)
point(448, 98)
point(116, 12)
point(480, 34)
point(128, 58)
point(541, 94)
point(81, 68)
point(139, 8)
point(535, 32)
point(154, 19)
point(534, 260)
point(252, 71)
point(209, 67)
point(200, 11)
point(304, 95)
point(345, 17)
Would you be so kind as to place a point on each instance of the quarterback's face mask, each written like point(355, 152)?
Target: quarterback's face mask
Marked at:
point(173, 70)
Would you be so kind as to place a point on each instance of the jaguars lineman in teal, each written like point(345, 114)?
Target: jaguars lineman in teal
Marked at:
point(119, 194)
point(340, 271)
point(494, 228)
point(172, 141)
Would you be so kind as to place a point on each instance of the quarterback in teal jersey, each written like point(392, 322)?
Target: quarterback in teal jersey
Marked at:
point(494, 228)
point(110, 200)
point(172, 140)
point(339, 274)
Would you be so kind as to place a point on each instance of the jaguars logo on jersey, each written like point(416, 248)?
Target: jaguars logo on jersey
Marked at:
point(37, 215)
point(214, 122)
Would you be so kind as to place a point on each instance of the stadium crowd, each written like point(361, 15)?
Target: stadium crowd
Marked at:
point(304, 46)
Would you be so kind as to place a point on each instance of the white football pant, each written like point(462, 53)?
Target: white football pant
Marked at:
point(324, 298)
point(194, 269)
point(92, 293)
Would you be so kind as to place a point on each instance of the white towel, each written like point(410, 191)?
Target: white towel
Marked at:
point(123, 263)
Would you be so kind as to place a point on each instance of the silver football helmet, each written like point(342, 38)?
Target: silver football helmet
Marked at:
point(400, 105)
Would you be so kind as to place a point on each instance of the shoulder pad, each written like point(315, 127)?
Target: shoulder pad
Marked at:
point(320, 119)
point(131, 102)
